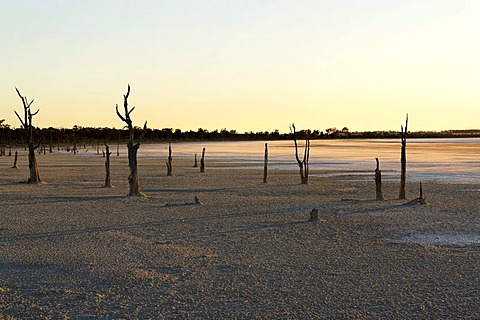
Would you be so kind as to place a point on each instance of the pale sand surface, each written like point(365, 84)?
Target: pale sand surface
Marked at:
point(72, 249)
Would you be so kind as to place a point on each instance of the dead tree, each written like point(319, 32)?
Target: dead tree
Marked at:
point(28, 127)
point(265, 164)
point(403, 160)
point(202, 162)
point(169, 161)
point(132, 147)
point(108, 183)
point(378, 182)
point(15, 161)
point(303, 164)
point(195, 165)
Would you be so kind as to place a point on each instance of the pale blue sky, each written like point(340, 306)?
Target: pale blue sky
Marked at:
point(244, 65)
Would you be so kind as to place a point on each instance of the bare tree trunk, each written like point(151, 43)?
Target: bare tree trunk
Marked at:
point(169, 161)
point(108, 183)
point(403, 161)
point(27, 125)
point(15, 161)
point(118, 147)
point(202, 162)
point(195, 165)
point(133, 179)
point(378, 182)
point(302, 164)
point(265, 164)
point(32, 166)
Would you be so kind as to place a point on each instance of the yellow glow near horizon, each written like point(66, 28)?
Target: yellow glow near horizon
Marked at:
point(245, 65)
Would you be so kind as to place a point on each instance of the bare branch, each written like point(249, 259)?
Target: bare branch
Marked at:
point(21, 97)
point(125, 96)
point(21, 121)
point(35, 113)
point(130, 111)
point(119, 115)
point(125, 103)
point(143, 132)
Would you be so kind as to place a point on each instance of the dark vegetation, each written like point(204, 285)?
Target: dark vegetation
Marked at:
point(81, 136)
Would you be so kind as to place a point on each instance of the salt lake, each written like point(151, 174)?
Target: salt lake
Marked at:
point(453, 160)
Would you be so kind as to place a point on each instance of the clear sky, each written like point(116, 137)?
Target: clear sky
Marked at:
point(246, 65)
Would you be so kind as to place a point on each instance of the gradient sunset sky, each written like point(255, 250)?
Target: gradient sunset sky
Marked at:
point(245, 65)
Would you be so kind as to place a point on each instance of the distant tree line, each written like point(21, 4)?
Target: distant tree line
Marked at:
point(88, 135)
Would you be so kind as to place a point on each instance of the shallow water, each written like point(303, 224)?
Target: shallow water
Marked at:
point(428, 160)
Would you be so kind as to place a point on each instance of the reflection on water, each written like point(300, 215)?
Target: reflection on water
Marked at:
point(428, 160)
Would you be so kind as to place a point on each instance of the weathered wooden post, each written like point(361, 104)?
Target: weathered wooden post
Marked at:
point(28, 127)
point(133, 180)
point(422, 199)
point(378, 182)
point(403, 160)
point(169, 161)
point(108, 183)
point(202, 162)
point(265, 164)
point(195, 165)
point(303, 164)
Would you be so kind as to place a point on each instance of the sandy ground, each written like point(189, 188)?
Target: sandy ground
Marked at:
point(72, 249)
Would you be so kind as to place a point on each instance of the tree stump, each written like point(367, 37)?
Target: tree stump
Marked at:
point(169, 161)
point(195, 165)
point(202, 162)
point(107, 167)
point(421, 200)
point(403, 161)
point(108, 183)
point(265, 164)
point(378, 182)
point(15, 161)
point(314, 215)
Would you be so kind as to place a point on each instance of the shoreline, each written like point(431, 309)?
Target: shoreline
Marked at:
point(71, 248)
